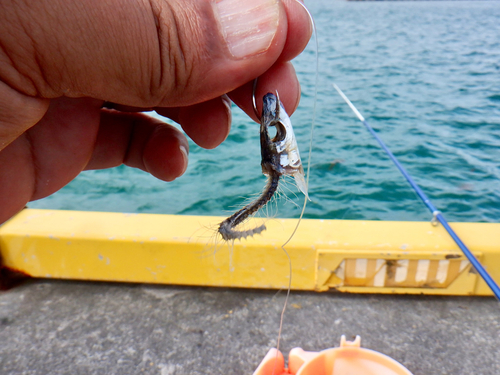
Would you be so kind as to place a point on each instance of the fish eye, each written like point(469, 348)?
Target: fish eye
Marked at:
point(279, 132)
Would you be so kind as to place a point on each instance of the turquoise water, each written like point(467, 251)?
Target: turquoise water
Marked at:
point(426, 75)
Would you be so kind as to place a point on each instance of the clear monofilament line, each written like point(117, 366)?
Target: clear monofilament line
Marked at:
point(308, 170)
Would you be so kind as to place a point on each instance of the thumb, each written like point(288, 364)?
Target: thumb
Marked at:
point(209, 48)
point(144, 54)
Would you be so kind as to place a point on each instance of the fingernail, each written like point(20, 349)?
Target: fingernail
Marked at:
point(248, 26)
point(184, 153)
point(228, 104)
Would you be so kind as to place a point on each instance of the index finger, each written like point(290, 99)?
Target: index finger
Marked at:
point(280, 78)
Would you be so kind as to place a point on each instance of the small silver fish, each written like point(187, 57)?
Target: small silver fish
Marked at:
point(280, 153)
point(280, 157)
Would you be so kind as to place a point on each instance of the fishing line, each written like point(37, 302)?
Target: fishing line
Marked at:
point(437, 215)
point(308, 170)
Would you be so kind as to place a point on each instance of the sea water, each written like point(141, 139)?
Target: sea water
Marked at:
point(426, 76)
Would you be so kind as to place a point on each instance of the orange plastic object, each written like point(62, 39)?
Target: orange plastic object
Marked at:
point(349, 359)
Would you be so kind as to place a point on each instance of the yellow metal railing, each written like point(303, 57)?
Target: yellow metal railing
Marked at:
point(349, 256)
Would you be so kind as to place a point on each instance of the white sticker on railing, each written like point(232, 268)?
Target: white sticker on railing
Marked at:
point(360, 269)
point(402, 270)
point(379, 279)
point(422, 270)
point(442, 271)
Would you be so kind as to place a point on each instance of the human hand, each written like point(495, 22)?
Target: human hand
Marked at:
point(61, 60)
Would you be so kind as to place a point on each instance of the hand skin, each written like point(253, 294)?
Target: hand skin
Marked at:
point(62, 60)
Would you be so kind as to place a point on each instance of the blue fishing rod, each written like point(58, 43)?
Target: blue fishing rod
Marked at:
point(436, 213)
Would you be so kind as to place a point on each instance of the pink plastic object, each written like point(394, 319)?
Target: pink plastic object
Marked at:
point(348, 359)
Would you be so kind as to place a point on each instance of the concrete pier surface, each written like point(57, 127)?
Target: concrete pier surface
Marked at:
point(67, 327)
